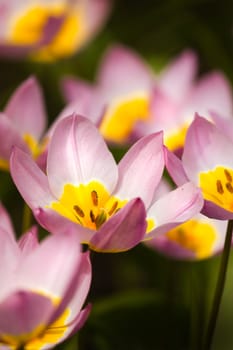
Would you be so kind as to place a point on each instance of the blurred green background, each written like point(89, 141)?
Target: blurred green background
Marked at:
point(142, 300)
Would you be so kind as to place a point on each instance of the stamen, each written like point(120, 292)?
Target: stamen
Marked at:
point(94, 197)
point(114, 206)
point(219, 187)
point(101, 218)
point(228, 175)
point(229, 187)
point(92, 216)
point(79, 211)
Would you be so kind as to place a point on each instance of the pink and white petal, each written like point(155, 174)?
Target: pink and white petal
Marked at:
point(55, 223)
point(122, 71)
point(223, 123)
point(78, 146)
point(31, 182)
point(205, 148)
point(96, 13)
point(212, 92)
point(122, 231)
point(74, 327)
point(22, 312)
point(11, 137)
point(77, 290)
point(177, 78)
point(26, 109)
point(175, 168)
point(174, 208)
point(214, 211)
point(5, 222)
point(73, 90)
point(50, 268)
point(10, 258)
point(141, 169)
point(29, 240)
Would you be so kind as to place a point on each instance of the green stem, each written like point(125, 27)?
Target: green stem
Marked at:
point(27, 216)
point(219, 287)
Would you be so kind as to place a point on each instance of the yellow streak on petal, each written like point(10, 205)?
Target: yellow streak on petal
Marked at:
point(150, 225)
point(175, 140)
point(217, 187)
point(194, 235)
point(121, 117)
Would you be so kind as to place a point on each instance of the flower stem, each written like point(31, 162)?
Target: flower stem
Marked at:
point(219, 287)
point(27, 216)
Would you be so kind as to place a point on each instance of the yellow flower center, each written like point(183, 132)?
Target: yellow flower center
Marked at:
point(175, 140)
point(217, 187)
point(89, 205)
point(196, 236)
point(29, 26)
point(121, 117)
point(41, 335)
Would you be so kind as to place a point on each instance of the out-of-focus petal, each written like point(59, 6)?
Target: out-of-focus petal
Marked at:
point(26, 109)
point(29, 240)
point(177, 78)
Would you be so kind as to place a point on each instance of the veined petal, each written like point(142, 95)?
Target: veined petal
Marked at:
point(30, 180)
point(26, 109)
point(141, 169)
point(77, 144)
point(180, 73)
point(122, 231)
point(205, 149)
point(174, 208)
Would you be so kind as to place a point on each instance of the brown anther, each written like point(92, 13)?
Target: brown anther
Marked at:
point(101, 218)
point(114, 206)
point(79, 211)
point(219, 187)
point(94, 197)
point(92, 216)
point(228, 175)
point(229, 187)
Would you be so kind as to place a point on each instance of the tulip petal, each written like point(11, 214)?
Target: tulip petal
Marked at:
point(74, 90)
point(29, 241)
point(180, 73)
point(22, 312)
point(122, 71)
point(26, 109)
point(175, 168)
point(205, 149)
point(5, 222)
point(174, 208)
point(141, 169)
point(30, 180)
point(123, 231)
point(77, 144)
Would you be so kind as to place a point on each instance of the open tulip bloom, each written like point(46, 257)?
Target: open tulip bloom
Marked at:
point(43, 288)
point(138, 102)
point(112, 206)
point(48, 30)
point(198, 238)
point(207, 162)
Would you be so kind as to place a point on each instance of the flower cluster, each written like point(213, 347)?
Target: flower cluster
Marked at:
point(172, 190)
